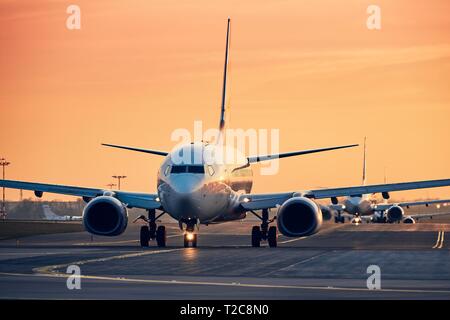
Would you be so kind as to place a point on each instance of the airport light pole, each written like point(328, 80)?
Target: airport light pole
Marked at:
point(111, 185)
point(118, 180)
point(4, 164)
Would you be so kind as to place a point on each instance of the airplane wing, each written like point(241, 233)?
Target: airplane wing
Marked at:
point(376, 188)
point(264, 201)
point(385, 206)
point(428, 215)
point(294, 153)
point(130, 199)
point(419, 203)
point(272, 200)
point(337, 207)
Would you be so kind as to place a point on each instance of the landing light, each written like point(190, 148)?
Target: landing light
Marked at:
point(189, 236)
point(157, 199)
point(246, 199)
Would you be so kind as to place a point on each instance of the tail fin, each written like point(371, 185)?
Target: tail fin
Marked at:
point(364, 164)
point(224, 87)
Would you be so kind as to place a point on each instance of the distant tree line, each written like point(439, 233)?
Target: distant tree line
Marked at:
point(30, 209)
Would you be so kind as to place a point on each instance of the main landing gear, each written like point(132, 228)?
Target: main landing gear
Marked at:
point(339, 218)
point(152, 231)
point(264, 232)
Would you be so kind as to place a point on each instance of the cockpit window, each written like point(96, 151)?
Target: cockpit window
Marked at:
point(196, 169)
point(188, 169)
point(178, 169)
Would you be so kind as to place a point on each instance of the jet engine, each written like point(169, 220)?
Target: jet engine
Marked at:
point(327, 212)
point(394, 214)
point(105, 216)
point(298, 217)
point(409, 220)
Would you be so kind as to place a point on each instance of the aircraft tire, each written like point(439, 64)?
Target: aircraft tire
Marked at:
point(144, 236)
point(256, 236)
point(272, 237)
point(161, 236)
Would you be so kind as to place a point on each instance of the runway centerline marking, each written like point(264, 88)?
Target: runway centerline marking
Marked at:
point(304, 261)
point(292, 240)
point(331, 229)
point(51, 269)
point(299, 262)
point(440, 240)
point(223, 284)
point(93, 243)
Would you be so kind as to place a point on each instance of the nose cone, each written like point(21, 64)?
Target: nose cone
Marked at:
point(185, 196)
point(186, 184)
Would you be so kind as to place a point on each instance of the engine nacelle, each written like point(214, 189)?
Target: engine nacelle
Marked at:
point(394, 214)
point(409, 220)
point(327, 212)
point(299, 217)
point(105, 216)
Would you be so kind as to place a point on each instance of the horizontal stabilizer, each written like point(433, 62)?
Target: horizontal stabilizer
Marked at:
point(294, 153)
point(157, 152)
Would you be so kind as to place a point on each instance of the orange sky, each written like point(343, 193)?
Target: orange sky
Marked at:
point(139, 69)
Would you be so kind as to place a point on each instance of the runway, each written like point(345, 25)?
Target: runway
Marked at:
point(414, 261)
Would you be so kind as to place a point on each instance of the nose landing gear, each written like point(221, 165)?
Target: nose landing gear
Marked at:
point(152, 231)
point(264, 232)
point(190, 237)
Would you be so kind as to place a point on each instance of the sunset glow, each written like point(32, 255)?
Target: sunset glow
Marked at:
point(139, 69)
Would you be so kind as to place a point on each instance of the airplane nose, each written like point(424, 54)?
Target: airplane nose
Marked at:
point(184, 185)
point(186, 197)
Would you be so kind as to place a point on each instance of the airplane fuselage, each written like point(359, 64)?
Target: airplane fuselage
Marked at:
point(358, 205)
point(200, 191)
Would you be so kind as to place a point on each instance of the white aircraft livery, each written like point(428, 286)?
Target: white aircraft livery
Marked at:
point(365, 207)
point(51, 216)
point(204, 193)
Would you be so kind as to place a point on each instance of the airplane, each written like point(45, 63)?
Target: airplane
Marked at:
point(51, 216)
point(365, 207)
point(203, 193)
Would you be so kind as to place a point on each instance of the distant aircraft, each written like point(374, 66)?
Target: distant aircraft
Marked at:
point(365, 207)
point(203, 193)
point(50, 215)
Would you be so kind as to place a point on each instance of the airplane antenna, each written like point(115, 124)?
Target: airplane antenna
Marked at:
point(364, 164)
